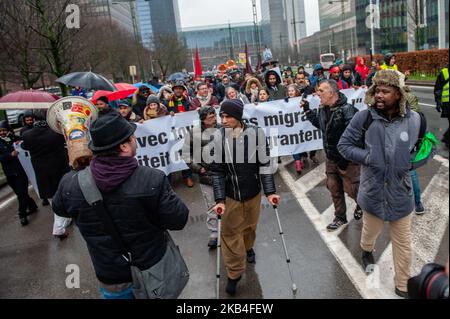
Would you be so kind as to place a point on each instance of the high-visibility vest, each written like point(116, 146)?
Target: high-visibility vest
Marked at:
point(387, 67)
point(444, 97)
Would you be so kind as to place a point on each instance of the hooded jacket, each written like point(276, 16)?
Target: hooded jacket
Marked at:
point(279, 91)
point(362, 69)
point(252, 96)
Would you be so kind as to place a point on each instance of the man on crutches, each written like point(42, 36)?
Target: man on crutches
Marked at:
point(241, 164)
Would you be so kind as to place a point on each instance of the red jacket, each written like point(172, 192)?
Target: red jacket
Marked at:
point(362, 69)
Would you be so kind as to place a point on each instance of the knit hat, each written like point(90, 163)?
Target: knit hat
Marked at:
point(103, 99)
point(347, 67)
point(390, 78)
point(153, 99)
point(234, 108)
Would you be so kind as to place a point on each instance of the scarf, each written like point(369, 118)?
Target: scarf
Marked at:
point(204, 100)
point(111, 171)
point(179, 104)
point(254, 95)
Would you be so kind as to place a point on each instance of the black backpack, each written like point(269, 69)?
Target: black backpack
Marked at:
point(422, 131)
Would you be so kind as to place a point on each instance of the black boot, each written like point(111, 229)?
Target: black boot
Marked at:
point(45, 202)
point(358, 213)
point(400, 293)
point(212, 243)
point(231, 286)
point(23, 221)
point(368, 261)
point(251, 256)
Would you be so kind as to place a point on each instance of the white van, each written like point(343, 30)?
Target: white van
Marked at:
point(327, 60)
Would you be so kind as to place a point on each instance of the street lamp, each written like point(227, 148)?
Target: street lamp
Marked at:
point(343, 19)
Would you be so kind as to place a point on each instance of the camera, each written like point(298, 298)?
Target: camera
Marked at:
point(431, 283)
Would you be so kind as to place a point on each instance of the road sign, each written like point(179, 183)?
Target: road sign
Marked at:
point(132, 70)
point(242, 58)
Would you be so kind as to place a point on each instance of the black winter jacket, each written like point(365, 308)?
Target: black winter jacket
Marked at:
point(48, 156)
point(332, 122)
point(242, 181)
point(142, 208)
point(10, 164)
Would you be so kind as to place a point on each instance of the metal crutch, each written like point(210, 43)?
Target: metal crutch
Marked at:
point(219, 219)
point(288, 260)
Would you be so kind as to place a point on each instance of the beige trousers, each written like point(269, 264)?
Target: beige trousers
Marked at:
point(400, 233)
point(238, 233)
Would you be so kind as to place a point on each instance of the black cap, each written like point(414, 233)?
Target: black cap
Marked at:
point(109, 131)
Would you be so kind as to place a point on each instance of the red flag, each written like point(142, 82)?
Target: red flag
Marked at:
point(248, 67)
point(198, 65)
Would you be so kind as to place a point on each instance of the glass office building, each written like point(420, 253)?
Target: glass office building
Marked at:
point(117, 13)
point(425, 27)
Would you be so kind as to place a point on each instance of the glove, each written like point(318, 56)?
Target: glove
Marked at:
point(342, 164)
point(438, 107)
point(305, 105)
point(286, 99)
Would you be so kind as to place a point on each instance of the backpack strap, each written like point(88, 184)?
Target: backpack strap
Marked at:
point(366, 125)
point(94, 198)
point(422, 131)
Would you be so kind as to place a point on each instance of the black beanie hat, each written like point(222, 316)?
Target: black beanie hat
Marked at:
point(347, 67)
point(103, 99)
point(234, 108)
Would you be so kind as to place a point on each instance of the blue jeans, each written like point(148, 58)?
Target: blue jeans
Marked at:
point(297, 157)
point(416, 186)
point(125, 294)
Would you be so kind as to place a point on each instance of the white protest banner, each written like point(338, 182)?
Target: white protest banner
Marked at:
point(286, 124)
point(159, 141)
point(288, 131)
point(25, 161)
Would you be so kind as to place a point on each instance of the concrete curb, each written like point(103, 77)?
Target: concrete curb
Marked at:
point(2, 181)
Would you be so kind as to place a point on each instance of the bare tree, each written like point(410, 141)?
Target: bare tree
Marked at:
point(60, 43)
point(170, 54)
point(21, 59)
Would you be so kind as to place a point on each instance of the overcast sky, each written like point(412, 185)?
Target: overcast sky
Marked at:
point(195, 13)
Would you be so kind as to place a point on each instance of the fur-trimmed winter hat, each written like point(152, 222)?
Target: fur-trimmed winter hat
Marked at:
point(389, 78)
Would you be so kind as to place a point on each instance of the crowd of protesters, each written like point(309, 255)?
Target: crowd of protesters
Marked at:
point(355, 164)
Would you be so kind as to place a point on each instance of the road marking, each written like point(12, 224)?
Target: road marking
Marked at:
point(421, 87)
point(427, 232)
point(425, 104)
point(9, 201)
point(441, 159)
point(429, 229)
point(343, 256)
point(312, 178)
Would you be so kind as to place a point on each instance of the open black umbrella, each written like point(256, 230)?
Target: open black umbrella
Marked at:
point(87, 80)
point(177, 77)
